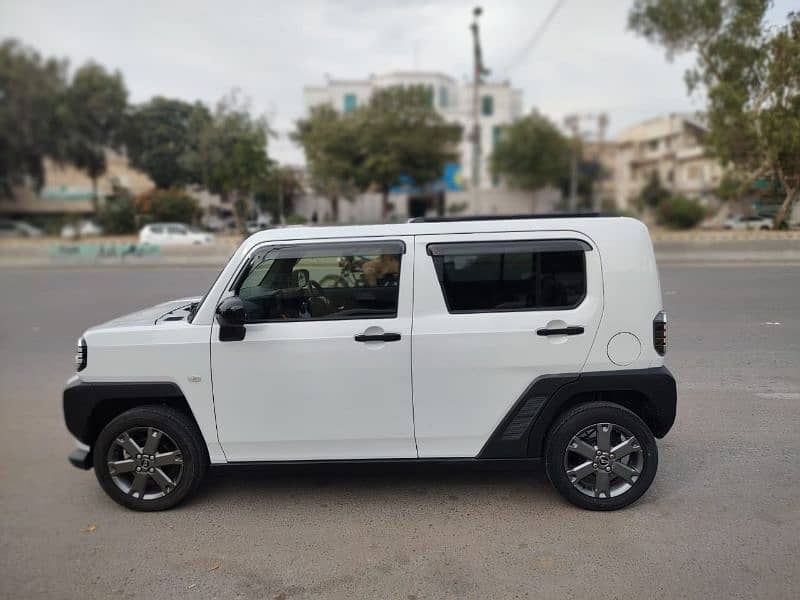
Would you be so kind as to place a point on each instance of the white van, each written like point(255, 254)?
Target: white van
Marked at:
point(500, 341)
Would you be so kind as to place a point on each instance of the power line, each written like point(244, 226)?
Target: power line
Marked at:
point(537, 35)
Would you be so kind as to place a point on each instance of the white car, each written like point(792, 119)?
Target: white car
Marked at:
point(174, 234)
point(83, 229)
point(510, 341)
point(749, 223)
point(11, 228)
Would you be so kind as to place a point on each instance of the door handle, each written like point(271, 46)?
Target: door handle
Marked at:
point(381, 337)
point(572, 330)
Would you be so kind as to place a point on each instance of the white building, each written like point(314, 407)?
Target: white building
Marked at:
point(500, 104)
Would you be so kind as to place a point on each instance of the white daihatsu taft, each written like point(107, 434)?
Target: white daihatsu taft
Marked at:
point(484, 340)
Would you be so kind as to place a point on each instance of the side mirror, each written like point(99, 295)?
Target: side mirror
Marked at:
point(231, 319)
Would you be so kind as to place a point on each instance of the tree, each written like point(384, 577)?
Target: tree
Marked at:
point(532, 153)
point(158, 137)
point(398, 133)
point(32, 114)
point(278, 192)
point(230, 153)
point(653, 193)
point(333, 152)
point(751, 77)
point(680, 212)
point(96, 102)
point(169, 205)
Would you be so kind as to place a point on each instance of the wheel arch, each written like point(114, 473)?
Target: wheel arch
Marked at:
point(649, 393)
point(88, 407)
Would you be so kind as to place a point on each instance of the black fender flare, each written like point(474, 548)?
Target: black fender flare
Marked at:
point(523, 431)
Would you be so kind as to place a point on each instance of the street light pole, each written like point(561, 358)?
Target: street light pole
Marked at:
point(478, 72)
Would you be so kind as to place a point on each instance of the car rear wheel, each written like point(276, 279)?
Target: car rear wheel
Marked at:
point(601, 456)
point(150, 458)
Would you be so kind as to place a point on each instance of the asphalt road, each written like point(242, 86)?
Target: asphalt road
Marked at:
point(721, 520)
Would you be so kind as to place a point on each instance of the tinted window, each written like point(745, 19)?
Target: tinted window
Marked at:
point(323, 282)
point(177, 229)
point(511, 276)
point(156, 229)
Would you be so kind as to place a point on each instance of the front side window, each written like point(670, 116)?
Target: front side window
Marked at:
point(323, 281)
point(509, 276)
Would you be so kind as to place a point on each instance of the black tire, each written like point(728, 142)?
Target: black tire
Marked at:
point(582, 418)
point(177, 426)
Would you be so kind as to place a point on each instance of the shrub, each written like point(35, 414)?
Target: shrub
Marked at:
point(295, 219)
point(169, 205)
point(118, 215)
point(680, 212)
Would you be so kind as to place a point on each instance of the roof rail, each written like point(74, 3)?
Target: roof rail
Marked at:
point(509, 217)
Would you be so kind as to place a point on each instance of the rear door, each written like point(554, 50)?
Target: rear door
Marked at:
point(492, 312)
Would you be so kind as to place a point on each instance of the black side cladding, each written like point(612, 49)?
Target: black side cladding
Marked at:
point(523, 431)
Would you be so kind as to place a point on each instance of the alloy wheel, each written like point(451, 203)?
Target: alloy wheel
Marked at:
point(603, 460)
point(145, 463)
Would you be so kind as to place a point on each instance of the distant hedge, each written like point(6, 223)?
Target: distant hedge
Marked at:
point(680, 212)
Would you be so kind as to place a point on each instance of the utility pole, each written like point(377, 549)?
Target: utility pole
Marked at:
point(478, 72)
point(572, 122)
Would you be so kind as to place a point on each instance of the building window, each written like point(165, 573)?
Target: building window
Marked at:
point(350, 102)
point(443, 96)
point(652, 145)
point(693, 173)
point(487, 106)
point(497, 132)
point(429, 94)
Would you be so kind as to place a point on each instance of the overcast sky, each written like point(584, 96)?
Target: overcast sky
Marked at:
point(585, 61)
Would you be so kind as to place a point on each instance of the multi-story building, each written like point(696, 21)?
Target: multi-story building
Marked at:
point(672, 146)
point(499, 105)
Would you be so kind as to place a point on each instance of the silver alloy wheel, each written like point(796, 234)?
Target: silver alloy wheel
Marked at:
point(145, 463)
point(603, 460)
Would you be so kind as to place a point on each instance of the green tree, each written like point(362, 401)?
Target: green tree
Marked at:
point(280, 188)
point(230, 154)
point(653, 192)
point(679, 212)
point(158, 138)
point(169, 205)
point(96, 101)
point(750, 73)
point(400, 133)
point(532, 153)
point(118, 215)
point(32, 113)
point(333, 152)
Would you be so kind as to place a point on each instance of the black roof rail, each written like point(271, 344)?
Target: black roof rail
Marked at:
point(509, 217)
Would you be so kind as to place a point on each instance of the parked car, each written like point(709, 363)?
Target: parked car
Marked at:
point(740, 222)
point(528, 347)
point(82, 229)
point(174, 234)
point(11, 228)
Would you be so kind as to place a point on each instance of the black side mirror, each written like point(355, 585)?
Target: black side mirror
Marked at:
point(231, 319)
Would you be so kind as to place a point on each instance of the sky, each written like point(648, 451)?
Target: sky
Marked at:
point(585, 61)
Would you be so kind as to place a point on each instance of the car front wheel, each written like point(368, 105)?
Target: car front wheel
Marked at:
point(601, 456)
point(150, 458)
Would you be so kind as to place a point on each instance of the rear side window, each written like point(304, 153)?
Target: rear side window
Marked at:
point(511, 276)
point(323, 282)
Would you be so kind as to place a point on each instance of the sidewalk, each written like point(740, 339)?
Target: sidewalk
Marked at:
point(689, 248)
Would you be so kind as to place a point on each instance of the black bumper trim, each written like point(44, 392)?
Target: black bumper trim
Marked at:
point(81, 458)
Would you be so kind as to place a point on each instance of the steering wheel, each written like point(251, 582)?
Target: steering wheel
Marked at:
point(317, 289)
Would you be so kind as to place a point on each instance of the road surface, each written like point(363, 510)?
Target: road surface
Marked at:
point(721, 520)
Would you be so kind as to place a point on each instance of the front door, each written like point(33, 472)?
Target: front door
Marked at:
point(324, 370)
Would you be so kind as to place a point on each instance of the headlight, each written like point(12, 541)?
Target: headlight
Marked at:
point(81, 355)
